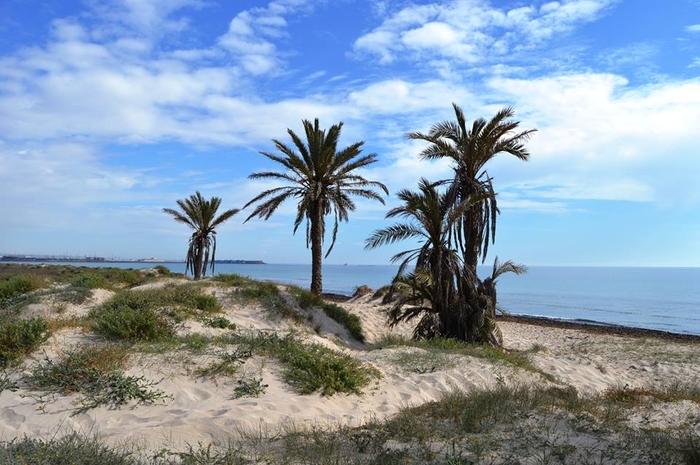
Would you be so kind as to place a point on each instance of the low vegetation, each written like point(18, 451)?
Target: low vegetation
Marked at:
point(310, 367)
point(96, 374)
point(151, 314)
point(444, 346)
point(351, 322)
point(502, 425)
point(19, 338)
point(265, 293)
point(506, 423)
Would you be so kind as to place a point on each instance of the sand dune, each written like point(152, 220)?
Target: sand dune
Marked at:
point(201, 409)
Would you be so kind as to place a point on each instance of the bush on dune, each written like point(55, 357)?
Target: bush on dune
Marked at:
point(15, 286)
point(21, 337)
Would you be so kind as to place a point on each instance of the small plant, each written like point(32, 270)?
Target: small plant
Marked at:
point(21, 337)
point(249, 388)
point(219, 322)
point(77, 368)
point(7, 384)
point(227, 365)
point(117, 389)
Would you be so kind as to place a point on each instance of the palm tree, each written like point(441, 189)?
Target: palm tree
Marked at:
point(456, 228)
point(200, 214)
point(471, 149)
point(321, 179)
point(486, 317)
point(428, 290)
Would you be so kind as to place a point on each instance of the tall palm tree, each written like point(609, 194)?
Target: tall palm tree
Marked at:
point(321, 179)
point(200, 214)
point(471, 149)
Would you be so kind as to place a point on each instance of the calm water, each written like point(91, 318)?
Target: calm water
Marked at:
point(655, 298)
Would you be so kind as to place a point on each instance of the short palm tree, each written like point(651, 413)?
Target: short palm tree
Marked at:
point(200, 214)
point(429, 289)
point(321, 179)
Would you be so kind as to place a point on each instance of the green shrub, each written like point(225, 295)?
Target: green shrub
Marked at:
point(150, 314)
point(206, 303)
point(350, 321)
point(312, 367)
point(260, 291)
point(163, 270)
point(233, 279)
point(121, 276)
point(90, 281)
point(21, 337)
point(131, 316)
point(15, 286)
point(305, 299)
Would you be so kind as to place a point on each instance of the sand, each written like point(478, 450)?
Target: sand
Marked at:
point(204, 410)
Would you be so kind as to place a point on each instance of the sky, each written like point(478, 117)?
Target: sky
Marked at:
point(112, 110)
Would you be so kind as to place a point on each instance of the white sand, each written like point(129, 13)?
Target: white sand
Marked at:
point(205, 409)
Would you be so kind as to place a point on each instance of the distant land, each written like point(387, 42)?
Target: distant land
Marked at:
point(55, 258)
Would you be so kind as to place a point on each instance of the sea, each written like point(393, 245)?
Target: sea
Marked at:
point(666, 299)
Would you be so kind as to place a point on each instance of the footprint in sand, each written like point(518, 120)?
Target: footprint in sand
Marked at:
point(10, 418)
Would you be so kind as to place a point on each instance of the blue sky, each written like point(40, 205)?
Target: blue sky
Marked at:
point(112, 110)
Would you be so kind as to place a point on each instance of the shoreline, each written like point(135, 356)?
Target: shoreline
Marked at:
point(600, 328)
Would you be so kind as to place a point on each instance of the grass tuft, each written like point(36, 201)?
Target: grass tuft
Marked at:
point(351, 322)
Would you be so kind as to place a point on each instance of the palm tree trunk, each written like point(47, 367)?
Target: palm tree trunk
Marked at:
point(198, 262)
point(316, 251)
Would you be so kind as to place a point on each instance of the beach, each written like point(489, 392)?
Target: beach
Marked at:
point(591, 362)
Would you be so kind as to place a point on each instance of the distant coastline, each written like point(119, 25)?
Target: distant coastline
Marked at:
point(52, 258)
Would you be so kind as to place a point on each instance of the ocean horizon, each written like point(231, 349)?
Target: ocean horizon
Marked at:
point(657, 298)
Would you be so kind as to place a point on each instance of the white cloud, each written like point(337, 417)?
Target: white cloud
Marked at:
point(600, 139)
point(250, 34)
point(693, 28)
point(144, 16)
point(473, 30)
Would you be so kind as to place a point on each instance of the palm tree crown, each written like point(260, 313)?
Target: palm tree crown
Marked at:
point(200, 214)
point(321, 180)
point(471, 149)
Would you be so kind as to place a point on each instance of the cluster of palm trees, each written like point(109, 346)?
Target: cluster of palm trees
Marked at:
point(454, 219)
